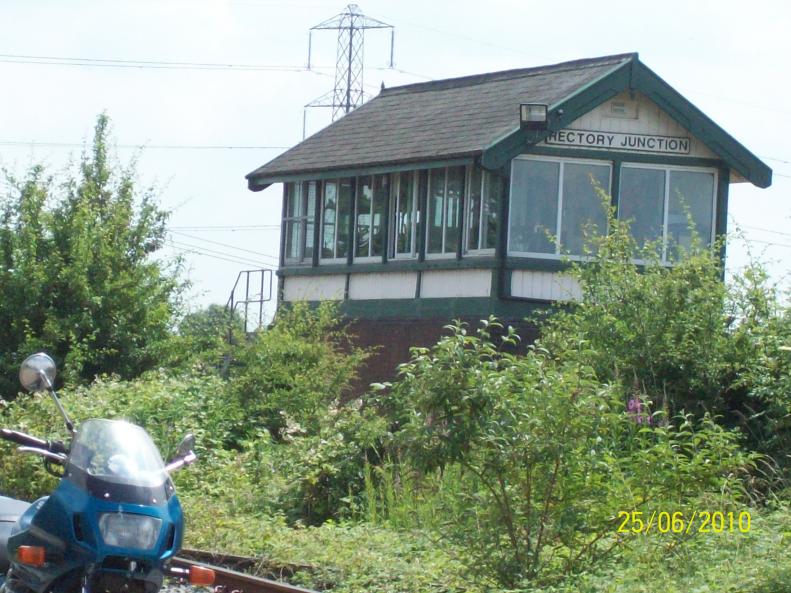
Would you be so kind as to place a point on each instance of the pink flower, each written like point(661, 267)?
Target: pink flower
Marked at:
point(635, 407)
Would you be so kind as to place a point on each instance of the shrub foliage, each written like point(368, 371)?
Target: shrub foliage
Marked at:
point(76, 274)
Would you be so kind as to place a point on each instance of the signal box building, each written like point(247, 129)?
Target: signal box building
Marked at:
point(440, 200)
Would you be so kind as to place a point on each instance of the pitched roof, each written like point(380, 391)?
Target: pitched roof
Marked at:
point(477, 116)
point(440, 119)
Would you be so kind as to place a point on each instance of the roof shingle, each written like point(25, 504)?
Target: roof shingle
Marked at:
point(434, 120)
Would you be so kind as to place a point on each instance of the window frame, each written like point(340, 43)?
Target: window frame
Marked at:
point(486, 177)
point(395, 197)
point(558, 255)
point(359, 182)
point(462, 198)
point(302, 220)
point(352, 238)
point(666, 204)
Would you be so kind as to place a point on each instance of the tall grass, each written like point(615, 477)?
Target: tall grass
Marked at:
point(399, 497)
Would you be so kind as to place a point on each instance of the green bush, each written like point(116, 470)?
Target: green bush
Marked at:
point(550, 454)
point(167, 407)
point(661, 332)
point(678, 338)
point(287, 376)
point(76, 274)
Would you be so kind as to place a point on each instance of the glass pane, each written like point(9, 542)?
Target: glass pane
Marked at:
point(293, 200)
point(329, 214)
point(534, 206)
point(293, 228)
point(474, 210)
point(642, 201)
point(436, 202)
point(492, 190)
point(344, 218)
point(310, 212)
point(363, 224)
point(405, 213)
point(381, 191)
point(582, 206)
point(453, 204)
point(691, 197)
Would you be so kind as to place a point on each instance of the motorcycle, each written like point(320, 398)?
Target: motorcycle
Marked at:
point(112, 524)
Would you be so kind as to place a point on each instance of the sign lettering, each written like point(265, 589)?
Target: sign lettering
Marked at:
point(620, 141)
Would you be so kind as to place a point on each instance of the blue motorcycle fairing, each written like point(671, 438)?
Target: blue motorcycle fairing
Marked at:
point(67, 524)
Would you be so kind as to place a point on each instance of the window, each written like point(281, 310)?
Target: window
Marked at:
point(443, 232)
point(482, 199)
point(336, 219)
point(553, 203)
point(372, 194)
point(298, 223)
point(405, 215)
point(458, 206)
point(660, 202)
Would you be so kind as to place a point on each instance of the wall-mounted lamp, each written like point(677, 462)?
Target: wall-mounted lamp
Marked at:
point(533, 116)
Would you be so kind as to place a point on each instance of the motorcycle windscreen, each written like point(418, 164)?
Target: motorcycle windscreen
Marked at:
point(117, 461)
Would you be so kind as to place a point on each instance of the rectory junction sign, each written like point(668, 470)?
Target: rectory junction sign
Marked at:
point(620, 141)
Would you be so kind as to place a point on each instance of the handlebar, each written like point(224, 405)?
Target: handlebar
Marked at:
point(25, 440)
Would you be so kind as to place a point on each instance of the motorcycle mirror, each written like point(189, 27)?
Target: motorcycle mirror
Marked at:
point(37, 372)
point(186, 446)
point(34, 369)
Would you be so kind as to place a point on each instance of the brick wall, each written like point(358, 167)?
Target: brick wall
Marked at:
point(390, 341)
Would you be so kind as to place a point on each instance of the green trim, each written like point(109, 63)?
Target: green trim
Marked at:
point(386, 220)
point(559, 116)
point(721, 221)
point(393, 265)
point(615, 185)
point(537, 263)
point(352, 221)
point(422, 204)
point(499, 286)
point(449, 308)
point(413, 265)
point(633, 75)
point(700, 125)
point(462, 217)
point(259, 183)
point(317, 209)
point(282, 258)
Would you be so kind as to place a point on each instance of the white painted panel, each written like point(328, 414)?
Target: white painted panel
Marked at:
point(314, 288)
point(547, 286)
point(455, 283)
point(387, 285)
point(650, 120)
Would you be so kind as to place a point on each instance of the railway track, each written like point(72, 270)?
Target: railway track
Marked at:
point(232, 580)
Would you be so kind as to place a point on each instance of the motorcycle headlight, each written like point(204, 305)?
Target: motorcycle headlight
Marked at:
point(126, 530)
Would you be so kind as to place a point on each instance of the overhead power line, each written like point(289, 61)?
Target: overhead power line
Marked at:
point(48, 144)
point(258, 253)
point(234, 258)
point(202, 254)
point(153, 64)
point(764, 230)
point(771, 243)
point(211, 227)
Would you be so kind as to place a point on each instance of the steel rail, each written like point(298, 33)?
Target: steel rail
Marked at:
point(232, 581)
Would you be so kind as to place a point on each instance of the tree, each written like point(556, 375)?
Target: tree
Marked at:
point(77, 277)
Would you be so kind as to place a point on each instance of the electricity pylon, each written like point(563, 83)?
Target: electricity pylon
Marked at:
point(348, 92)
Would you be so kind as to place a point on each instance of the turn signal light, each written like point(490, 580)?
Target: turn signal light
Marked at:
point(201, 576)
point(31, 555)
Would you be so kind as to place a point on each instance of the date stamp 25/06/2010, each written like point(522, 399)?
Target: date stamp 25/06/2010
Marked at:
point(639, 522)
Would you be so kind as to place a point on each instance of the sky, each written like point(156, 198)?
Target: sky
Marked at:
point(204, 127)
